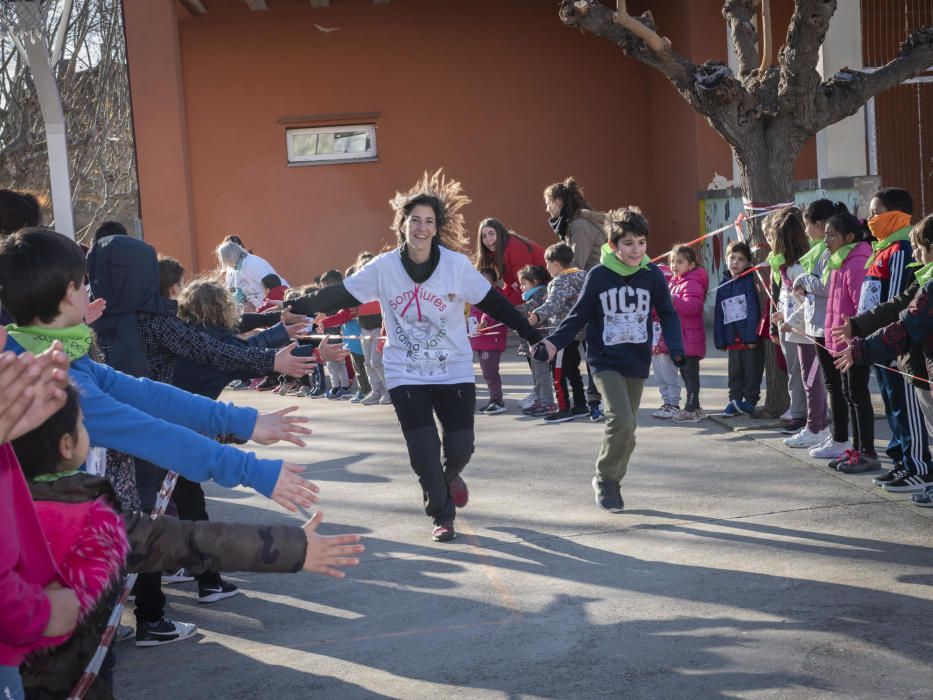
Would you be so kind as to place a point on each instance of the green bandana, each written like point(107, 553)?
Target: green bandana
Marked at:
point(609, 259)
point(902, 234)
point(75, 339)
point(775, 261)
point(836, 259)
point(924, 274)
point(809, 260)
point(55, 476)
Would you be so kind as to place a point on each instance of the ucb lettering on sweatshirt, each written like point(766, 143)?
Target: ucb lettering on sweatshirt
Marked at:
point(616, 311)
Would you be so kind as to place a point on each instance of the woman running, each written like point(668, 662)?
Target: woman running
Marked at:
point(423, 287)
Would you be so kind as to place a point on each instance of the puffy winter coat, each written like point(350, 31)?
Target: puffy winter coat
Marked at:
point(688, 293)
point(737, 312)
point(562, 293)
point(845, 286)
point(493, 339)
point(89, 541)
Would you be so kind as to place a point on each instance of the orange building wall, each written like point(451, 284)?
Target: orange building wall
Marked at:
point(498, 93)
point(502, 96)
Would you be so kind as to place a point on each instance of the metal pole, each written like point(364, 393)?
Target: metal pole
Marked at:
point(37, 55)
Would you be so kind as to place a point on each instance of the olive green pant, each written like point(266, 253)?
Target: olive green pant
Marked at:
point(621, 397)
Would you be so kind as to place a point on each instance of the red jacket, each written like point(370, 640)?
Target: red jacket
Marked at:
point(26, 568)
point(514, 258)
point(492, 339)
point(274, 294)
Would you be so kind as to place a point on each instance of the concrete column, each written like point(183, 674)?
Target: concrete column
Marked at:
point(840, 148)
point(160, 125)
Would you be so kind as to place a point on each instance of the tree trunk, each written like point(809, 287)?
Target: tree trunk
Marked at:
point(766, 167)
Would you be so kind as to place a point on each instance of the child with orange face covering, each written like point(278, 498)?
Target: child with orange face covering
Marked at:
point(886, 277)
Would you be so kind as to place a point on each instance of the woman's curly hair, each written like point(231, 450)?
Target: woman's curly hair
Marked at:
point(446, 198)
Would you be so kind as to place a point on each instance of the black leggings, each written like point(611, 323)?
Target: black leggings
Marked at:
point(837, 400)
point(188, 497)
point(861, 412)
point(454, 405)
point(691, 375)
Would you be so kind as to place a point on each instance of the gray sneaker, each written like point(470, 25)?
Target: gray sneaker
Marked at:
point(859, 462)
point(608, 495)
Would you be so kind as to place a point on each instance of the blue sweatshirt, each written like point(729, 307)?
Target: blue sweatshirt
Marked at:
point(617, 313)
point(162, 424)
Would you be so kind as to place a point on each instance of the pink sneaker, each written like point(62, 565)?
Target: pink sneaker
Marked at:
point(444, 531)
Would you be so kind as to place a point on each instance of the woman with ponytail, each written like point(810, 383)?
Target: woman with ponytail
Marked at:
point(573, 221)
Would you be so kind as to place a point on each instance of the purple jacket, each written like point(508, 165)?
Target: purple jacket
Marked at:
point(845, 286)
point(688, 294)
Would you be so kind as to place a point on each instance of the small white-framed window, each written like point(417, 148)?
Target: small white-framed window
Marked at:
point(332, 144)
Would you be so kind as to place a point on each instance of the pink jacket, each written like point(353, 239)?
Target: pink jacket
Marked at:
point(490, 340)
point(689, 294)
point(26, 568)
point(845, 286)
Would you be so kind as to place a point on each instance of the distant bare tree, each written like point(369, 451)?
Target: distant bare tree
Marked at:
point(88, 55)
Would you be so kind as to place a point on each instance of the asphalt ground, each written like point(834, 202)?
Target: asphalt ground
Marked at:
point(740, 569)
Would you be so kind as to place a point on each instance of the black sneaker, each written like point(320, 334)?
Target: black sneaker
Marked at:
point(909, 483)
point(860, 462)
point(608, 495)
point(176, 576)
point(898, 472)
point(268, 384)
point(559, 417)
point(494, 408)
point(165, 631)
point(213, 592)
point(578, 411)
point(444, 531)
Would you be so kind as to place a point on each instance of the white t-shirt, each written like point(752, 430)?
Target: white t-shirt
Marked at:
point(427, 339)
point(248, 278)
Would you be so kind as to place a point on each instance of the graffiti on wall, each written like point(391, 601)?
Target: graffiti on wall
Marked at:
point(718, 211)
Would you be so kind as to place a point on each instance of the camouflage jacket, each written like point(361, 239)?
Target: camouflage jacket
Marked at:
point(155, 545)
point(562, 293)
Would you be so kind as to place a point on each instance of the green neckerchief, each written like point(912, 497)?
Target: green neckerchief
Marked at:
point(924, 273)
point(809, 259)
point(609, 259)
point(836, 259)
point(75, 339)
point(775, 261)
point(902, 234)
point(55, 476)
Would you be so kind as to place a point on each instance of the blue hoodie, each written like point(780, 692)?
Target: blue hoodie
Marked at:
point(162, 424)
point(617, 313)
point(744, 330)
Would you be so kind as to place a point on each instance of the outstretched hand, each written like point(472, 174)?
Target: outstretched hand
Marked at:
point(32, 388)
point(549, 346)
point(324, 553)
point(95, 310)
point(843, 333)
point(331, 352)
point(845, 359)
point(292, 365)
point(272, 427)
point(292, 490)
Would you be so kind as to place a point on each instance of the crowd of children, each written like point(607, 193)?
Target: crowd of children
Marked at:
point(837, 297)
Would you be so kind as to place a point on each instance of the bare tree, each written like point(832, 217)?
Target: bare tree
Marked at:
point(88, 56)
point(767, 112)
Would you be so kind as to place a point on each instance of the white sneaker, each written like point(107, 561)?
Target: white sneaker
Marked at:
point(371, 399)
point(830, 449)
point(385, 400)
point(666, 411)
point(528, 400)
point(786, 415)
point(806, 438)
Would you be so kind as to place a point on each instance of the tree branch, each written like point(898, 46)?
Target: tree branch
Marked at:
point(58, 45)
point(845, 92)
point(710, 88)
point(739, 15)
point(801, 51)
